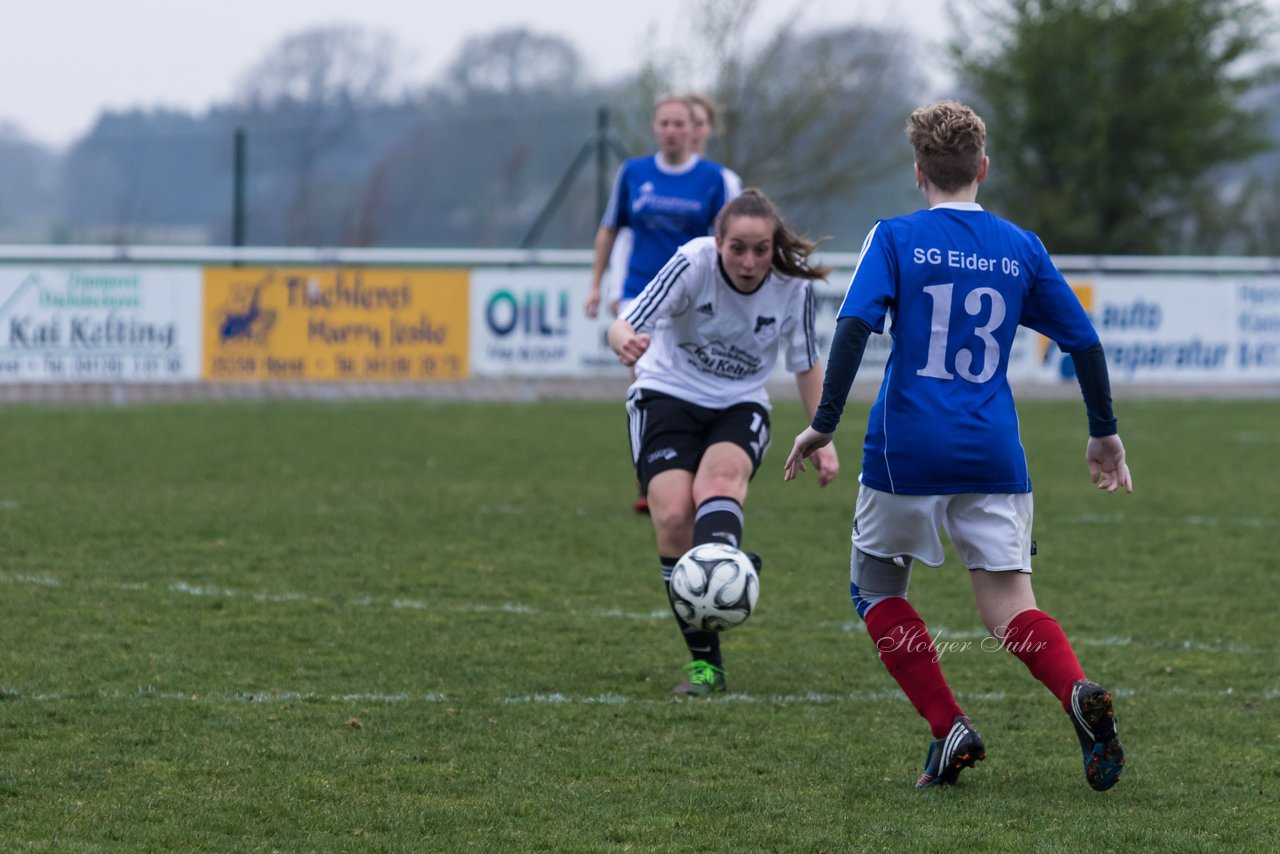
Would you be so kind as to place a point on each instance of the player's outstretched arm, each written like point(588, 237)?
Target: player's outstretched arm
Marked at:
point(1107, 468)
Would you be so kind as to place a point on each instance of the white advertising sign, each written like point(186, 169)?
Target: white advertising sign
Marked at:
point(530, 323)
point(1169, 328)
point(1190, 328)
point(103, 323)
point(1154, 328)
point(828, 296)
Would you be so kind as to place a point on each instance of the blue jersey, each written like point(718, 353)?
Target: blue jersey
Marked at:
point(957, 281)
point(665, 208)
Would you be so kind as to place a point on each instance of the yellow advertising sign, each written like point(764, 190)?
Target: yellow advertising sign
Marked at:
point(352, 323)
point(1083, 289)
point(1084, 292)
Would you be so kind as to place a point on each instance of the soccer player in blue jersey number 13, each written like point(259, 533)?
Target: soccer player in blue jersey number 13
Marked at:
point(942, 447)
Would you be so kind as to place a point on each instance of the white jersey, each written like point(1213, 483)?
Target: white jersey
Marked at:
point(719, 344)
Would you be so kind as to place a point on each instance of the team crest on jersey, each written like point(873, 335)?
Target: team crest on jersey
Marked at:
point(706, 309)
point(766, 328)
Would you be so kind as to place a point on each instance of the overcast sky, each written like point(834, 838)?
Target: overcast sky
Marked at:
point(63, 61)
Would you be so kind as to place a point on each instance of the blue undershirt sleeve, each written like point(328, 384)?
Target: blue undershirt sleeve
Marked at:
point(847, 346)
point(1095, 387)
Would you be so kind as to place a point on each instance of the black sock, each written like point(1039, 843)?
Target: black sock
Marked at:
point(718, 520)
point(702, 645)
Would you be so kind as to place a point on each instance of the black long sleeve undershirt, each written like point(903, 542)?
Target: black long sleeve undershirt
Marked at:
point(850, 341)
point(1095, 388)
point(847, 346)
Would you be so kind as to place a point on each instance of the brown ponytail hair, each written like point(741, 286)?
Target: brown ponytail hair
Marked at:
point(790, 251)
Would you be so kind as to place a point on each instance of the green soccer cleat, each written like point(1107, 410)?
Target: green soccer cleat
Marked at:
point(704, 678)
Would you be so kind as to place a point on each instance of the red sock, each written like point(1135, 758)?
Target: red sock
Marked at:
point(1039, 642)
point(909, 655)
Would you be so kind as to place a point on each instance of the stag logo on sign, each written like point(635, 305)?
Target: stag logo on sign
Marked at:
point(533, 313)
point(244, 320)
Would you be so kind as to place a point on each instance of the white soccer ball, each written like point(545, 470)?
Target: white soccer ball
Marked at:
point(714, 587)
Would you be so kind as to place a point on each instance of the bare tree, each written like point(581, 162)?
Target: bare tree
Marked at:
point(28, 183)
point(515, 61)
point(812, 117)
point(489, 144)
point(308, 91)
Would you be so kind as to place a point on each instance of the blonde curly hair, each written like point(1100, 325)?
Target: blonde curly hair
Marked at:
point(949, 139)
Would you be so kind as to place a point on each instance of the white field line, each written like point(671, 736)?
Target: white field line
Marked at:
point(398, 604)
point(39, 580)
point(1121, 518)
point(859, 697)
point(949, 640)
point(811, 698)
point(1253, 438)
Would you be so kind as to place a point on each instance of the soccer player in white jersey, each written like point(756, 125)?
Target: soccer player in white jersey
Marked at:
point(660, 201)
point(942, 447)
point(703, 337)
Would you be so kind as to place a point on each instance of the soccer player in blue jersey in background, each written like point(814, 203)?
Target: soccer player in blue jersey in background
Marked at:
point(702, 114)
point(666, 199)
point(942, 447)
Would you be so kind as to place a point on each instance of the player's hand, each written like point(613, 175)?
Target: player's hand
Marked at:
point(808, 442)
point(828, 463)
point(1107, 468)
point(632, 349)
point(592, 305)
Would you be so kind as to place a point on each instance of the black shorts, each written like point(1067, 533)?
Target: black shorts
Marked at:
point(670, 433)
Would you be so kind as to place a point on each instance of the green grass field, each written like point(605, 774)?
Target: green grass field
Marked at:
point(438, 627)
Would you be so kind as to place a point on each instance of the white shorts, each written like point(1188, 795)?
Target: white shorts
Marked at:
point(991, 532)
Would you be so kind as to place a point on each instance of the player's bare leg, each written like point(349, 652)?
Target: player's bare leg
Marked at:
point(1001, 596)
point(725, 470)
point(671, 508)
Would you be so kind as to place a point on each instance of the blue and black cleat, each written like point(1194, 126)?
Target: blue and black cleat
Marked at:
point(1095, 724)
point(960, 748)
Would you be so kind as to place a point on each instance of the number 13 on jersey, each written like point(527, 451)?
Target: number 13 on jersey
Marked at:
point(978, 300)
